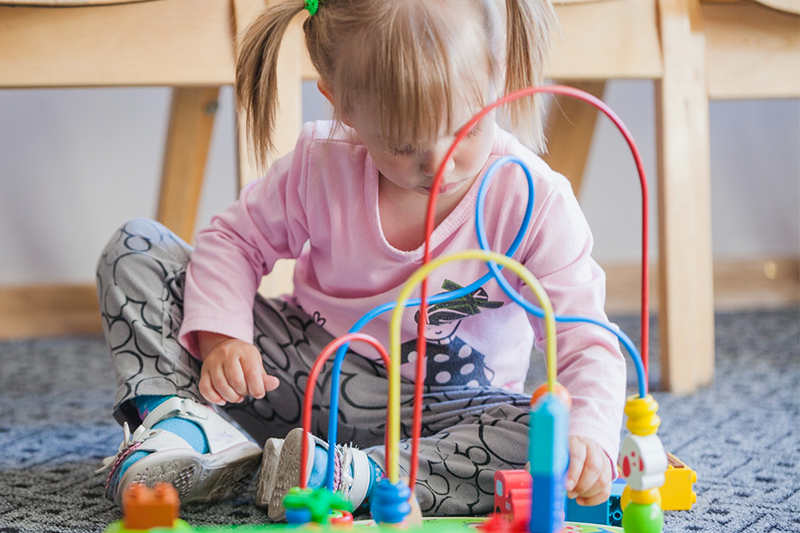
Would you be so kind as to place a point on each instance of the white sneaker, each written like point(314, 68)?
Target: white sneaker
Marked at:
point(280, 470)
point(269, 467)
point(221, 474)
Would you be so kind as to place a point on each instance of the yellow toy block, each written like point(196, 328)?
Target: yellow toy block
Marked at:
point(677, 493)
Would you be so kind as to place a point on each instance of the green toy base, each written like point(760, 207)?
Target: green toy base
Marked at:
point(179, 527)
point(430, 525)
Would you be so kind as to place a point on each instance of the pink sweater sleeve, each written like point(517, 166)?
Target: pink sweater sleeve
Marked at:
point(590, 363)
point(240, 246)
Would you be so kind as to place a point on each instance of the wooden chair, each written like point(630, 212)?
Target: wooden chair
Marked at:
point(697, 51)
point(185, 44)
point(753, 48)
point(662, 40)
point(659, 40)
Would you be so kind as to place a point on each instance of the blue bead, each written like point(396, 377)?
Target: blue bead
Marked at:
point(298, 516)
point(389, 503)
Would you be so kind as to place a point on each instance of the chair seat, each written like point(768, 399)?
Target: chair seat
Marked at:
point(163, 42)
point(67, 3)
point(789, 6)
point(753, 49)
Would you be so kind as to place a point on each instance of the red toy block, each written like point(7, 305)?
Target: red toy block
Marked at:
point(146, 508)
point(499, 523)
point(520, 508)
point(506, 481)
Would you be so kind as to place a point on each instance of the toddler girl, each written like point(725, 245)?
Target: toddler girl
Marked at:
point(187, 329)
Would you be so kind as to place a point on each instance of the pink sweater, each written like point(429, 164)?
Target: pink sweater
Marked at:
point(325, 193)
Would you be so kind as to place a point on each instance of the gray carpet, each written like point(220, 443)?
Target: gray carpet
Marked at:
point(741, 435)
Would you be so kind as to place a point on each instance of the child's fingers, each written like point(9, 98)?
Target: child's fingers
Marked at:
point(234, 376)
point(577, 456)
point(253, 371)
point(226, 392)
point(229, 396)
point(592, 469)
point(220, 383)
point(208, 391)
point(271, 382)
point(596, 494)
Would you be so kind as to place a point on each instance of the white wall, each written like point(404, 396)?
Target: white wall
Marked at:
point(76, 163)
point(755, 177)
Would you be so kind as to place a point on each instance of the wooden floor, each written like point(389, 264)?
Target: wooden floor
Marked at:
point(49, 310)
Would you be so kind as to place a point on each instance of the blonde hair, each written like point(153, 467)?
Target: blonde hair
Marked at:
point(405, 55)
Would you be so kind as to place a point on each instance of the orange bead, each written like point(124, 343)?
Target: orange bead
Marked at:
point(559, 390)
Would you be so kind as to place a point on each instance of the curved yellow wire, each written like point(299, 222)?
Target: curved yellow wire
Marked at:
point(394, 334)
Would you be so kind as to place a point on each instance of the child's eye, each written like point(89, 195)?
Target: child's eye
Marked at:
point(476, 130)
point(405, 150)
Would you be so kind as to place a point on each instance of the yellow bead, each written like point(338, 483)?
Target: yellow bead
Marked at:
point(646, 497)
point(639, 496)
point(642, 417)
point(625, 497)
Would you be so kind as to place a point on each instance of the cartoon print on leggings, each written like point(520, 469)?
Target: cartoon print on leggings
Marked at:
point(450, 360)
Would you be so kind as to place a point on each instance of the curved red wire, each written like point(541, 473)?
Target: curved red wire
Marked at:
point(308, 398)
point(529, 91)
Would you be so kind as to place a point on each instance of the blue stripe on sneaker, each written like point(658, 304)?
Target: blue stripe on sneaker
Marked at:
point(317, 477)
point(186, 429)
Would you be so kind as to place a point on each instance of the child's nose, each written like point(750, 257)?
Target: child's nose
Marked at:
point(432, 160)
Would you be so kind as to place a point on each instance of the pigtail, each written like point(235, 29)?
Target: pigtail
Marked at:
point(256, 73)
point(528, 27)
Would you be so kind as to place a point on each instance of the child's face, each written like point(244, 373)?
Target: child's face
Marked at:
point(413, 168)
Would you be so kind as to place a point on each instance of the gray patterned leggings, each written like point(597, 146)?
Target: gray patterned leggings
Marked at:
point(468, 433)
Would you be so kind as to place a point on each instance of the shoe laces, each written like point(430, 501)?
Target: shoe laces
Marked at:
point(130, 443)
point(345, 456)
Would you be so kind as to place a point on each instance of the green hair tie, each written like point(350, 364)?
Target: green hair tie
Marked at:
point(312, 6)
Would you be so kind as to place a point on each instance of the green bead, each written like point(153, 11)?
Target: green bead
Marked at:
point(642, 518)
point(319, 502)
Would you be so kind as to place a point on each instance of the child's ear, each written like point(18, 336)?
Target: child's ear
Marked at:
point(327, 92)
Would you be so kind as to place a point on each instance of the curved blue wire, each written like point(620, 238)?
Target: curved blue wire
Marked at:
point(444, 297)
point(536, 311)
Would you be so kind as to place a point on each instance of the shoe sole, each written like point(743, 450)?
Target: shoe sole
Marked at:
point(287, 472)
point(196, 477)
point(266, 477)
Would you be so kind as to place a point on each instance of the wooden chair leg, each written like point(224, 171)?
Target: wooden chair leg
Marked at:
point(188, 139)
point(569, 130)
point(686, 280)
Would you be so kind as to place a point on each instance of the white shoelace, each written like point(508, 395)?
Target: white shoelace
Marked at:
point(140, 434)
point(347, 478)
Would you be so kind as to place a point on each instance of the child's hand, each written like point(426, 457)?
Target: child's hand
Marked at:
point(589, 474)
point(232, 369)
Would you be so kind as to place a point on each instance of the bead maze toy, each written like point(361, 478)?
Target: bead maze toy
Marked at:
point(525, 501)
